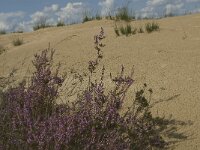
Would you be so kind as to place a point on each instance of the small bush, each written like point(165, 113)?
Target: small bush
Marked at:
point(150, 27)
point(60, 24)
point(17, 41)
point(2, 32)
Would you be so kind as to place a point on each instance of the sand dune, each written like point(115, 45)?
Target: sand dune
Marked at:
point(168, 61)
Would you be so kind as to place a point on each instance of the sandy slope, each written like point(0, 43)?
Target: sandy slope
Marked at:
point(168, 61)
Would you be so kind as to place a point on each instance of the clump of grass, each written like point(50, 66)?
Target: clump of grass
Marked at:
point(40, 26)
point(60, 24)
point(116, 31)
point(87, 18)
point(2, 32)
point(150, 27)
point(2, 49)
point(127, 30)
point(17, 41)
point(98, 17)
point(123, 14)
point(140, 30)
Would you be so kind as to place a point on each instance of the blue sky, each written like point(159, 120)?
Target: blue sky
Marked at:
point(23, 14)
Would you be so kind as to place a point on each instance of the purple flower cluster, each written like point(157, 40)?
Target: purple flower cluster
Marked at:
point(30, 118)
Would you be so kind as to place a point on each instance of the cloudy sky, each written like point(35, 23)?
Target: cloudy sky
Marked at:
point(18, 15)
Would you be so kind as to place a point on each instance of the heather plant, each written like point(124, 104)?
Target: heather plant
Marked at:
point(150, 27)
point(30, 117)
point(17, 41)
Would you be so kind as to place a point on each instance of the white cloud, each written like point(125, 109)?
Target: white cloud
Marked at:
point(14, 21)
point(8, 21)
point(106, 6)
point(72, 12)
point(157, 8)
point(190, 1)
point(170, 9)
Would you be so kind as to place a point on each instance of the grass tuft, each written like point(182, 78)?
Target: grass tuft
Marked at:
point(150, 27)
point(17, 41)
point(2, 49)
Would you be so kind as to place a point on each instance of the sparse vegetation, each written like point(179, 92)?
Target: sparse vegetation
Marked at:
point(17, 41)
point(150, 27)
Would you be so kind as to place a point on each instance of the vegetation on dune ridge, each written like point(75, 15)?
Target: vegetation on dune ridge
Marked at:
point(30, 117)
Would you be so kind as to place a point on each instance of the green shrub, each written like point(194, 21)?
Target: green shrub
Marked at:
point(150, 27)
point(17, 41)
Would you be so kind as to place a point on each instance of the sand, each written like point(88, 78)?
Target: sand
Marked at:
point(168, 61)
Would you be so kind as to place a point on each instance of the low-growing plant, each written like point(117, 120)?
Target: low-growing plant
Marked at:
point(17, 41)
point(150, 27)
